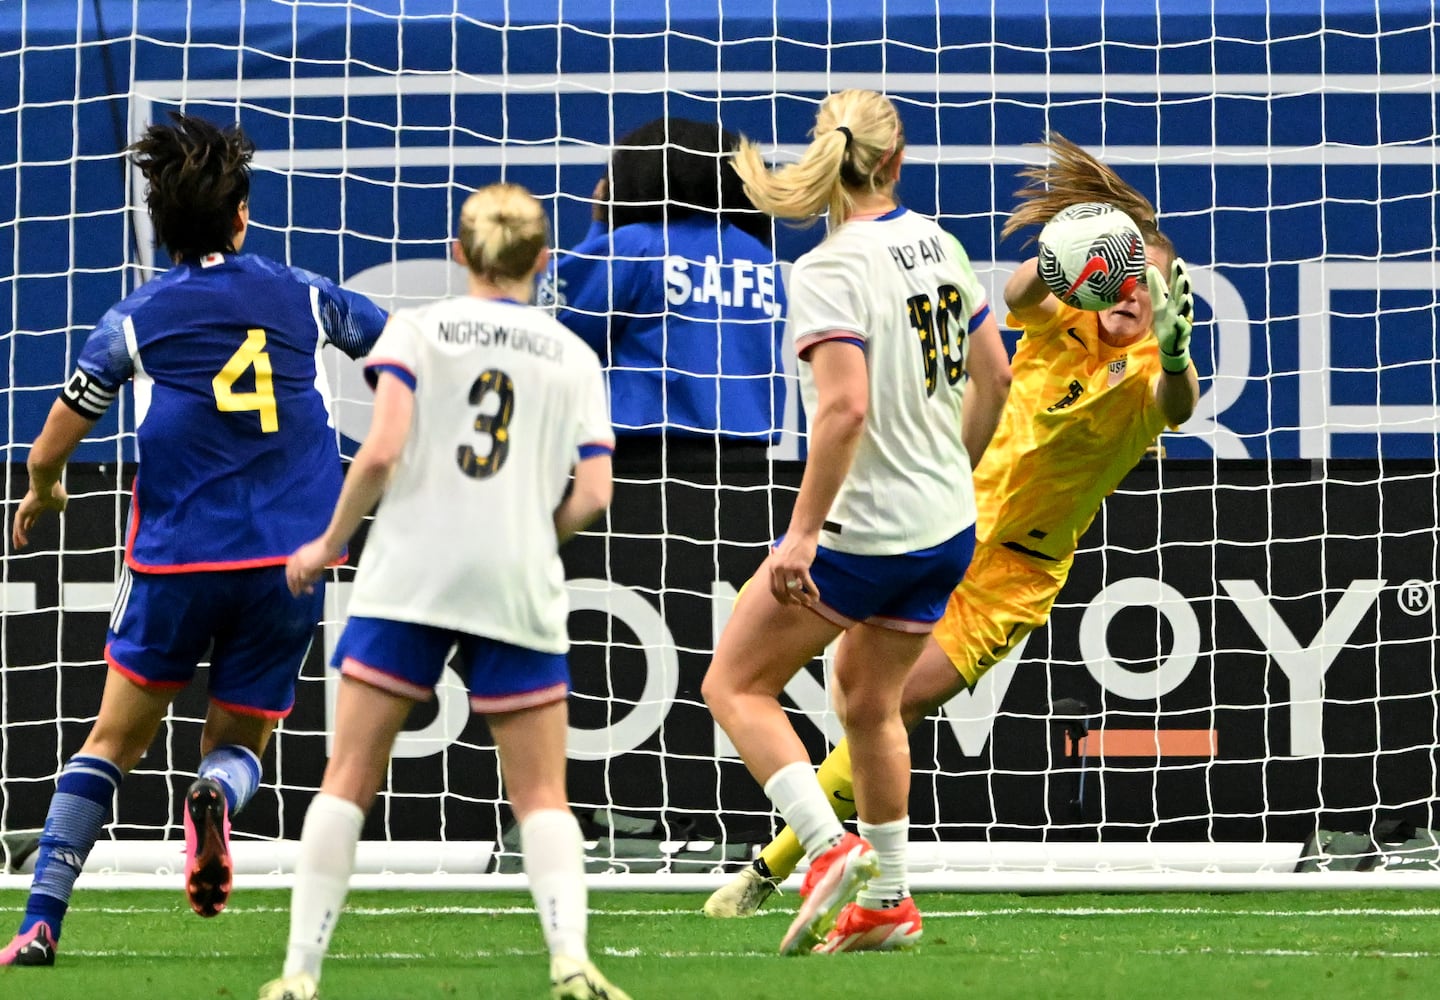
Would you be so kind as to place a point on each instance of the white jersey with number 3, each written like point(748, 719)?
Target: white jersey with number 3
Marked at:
point(904, 288)
point(505, 400)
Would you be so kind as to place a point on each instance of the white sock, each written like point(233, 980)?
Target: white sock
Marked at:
point(554, 855)
point(322, 878)
point(891, 842)
point(798, 797)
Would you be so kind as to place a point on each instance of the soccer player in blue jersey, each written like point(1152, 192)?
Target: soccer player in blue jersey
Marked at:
point(239, 464)
point(677, 289)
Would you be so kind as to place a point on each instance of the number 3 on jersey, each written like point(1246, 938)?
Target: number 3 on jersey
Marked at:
point(250, 355)
point(496, 425)
point(942, 316)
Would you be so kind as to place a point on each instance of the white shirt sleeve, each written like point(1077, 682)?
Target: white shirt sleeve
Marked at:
point(971, 290)
point(593, 426)
point(399, 345)
point(827, 296)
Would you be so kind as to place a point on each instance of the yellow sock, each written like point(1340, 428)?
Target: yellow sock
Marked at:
point(838, 781)
point(783, 854)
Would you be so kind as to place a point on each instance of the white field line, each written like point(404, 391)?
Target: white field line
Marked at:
point(405, 956)
point(241, 910)
point(1288, 953)
point(335, 956)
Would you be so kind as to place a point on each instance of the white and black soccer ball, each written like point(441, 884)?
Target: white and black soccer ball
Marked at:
point(1091, 255)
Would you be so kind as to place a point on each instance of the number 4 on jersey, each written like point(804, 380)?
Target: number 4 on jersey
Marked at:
point(250, 355)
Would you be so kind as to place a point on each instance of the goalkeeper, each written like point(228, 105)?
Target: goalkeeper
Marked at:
point(1090, 392)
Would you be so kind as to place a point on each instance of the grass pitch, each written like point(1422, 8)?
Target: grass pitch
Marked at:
point(403, 945)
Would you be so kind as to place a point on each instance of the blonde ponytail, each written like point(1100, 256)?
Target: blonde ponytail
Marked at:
point(857, 136)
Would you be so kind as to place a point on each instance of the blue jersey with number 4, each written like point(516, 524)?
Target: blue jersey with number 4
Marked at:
point(239, 463)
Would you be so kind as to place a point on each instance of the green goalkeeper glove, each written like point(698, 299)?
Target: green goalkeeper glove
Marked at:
point(1174, 308)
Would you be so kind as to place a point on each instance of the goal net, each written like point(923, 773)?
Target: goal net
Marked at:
point(1240, 674)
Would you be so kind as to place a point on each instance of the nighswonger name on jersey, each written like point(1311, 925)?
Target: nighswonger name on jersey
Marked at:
point(473, 333)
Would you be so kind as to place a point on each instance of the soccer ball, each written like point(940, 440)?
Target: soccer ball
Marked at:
point(1091, 255)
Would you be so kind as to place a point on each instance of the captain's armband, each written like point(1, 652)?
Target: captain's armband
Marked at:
point(87, 396)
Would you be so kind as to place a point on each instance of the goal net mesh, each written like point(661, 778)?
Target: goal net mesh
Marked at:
point(1245, 651)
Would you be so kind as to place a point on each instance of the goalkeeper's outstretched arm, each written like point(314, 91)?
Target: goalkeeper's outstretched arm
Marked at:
point(1028, 297)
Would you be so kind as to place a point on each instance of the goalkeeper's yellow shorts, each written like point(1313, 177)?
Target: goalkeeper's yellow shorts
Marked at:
point(1004, 597)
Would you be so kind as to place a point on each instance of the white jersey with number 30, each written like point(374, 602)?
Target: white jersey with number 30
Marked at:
point(505, 400)
point(906, 290)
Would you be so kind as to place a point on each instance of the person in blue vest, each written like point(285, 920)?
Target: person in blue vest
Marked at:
point(677, 290)
point(239, 464)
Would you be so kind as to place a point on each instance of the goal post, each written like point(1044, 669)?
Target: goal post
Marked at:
point(1244, 657)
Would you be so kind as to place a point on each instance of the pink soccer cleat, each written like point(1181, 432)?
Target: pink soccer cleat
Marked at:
point(35, 947)
point(832, 881)
point(861, 929)
point(207, 847)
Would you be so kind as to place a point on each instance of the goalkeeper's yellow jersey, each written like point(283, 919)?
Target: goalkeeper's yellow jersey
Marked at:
point(1080, 415)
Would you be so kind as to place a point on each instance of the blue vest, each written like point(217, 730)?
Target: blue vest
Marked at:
point(688, 320)
point(239, 461)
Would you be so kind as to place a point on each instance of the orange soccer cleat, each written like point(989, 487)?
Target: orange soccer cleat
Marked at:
point(832, 881)
point(861, 929)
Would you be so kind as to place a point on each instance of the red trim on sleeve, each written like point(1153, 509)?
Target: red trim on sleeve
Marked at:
point(807, 343)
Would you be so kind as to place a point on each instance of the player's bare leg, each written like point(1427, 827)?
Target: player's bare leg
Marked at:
point(531, 743)
point(932, 681)
point(765, 643)
point(871, 666)
point(763, 646)
point(367, 720)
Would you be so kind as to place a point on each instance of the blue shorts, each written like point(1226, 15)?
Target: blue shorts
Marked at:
point(254, 632)
point(407, 659)
point(906, 592)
